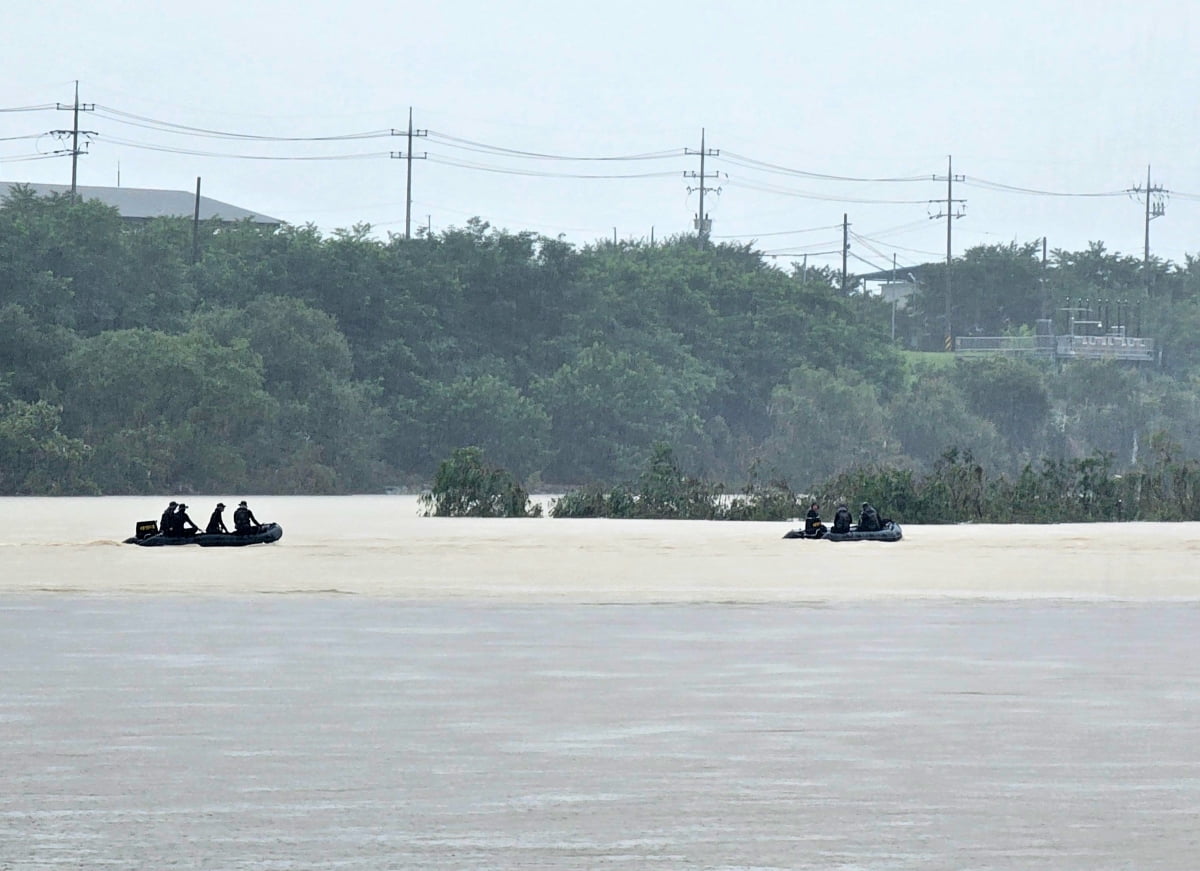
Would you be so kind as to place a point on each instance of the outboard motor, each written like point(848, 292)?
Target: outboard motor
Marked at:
point(145, 529)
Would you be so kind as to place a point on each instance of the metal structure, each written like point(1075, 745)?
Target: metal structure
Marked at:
point(1088, 337)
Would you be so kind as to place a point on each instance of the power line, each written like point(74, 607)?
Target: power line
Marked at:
point(1008, 188)
point(781, 232)
point(170, 149)
point(543, 174)
point(751, 163)
point(132, 120)
point(809, 195)
point(484, 148)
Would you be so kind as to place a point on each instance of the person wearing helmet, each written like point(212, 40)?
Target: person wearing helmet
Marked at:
point(216, 523)
point(244, 521)
point(868, 519)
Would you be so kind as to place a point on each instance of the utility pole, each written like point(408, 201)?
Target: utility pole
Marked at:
point(1156, 206)
point(702, 223)
point(949, 214)
point(408, 156)
point(75, 133)
point(196, 225)
point(1045, 287)
point(845, 247)
point(892, 289)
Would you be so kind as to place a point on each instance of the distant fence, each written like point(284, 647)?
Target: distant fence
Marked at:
point(1061, 347)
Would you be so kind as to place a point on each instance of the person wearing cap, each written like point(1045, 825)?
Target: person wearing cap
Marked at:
point(216, 523)
point(183, 522)
point(868, 519)
point(166, 523)
point(244, 521)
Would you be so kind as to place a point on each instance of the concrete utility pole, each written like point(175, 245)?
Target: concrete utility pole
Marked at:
point(845, 247)
point(408, 156)
point(1156, 206)
point(196, 225)
point(949, 214)
point(702, 223)
point(75, 133)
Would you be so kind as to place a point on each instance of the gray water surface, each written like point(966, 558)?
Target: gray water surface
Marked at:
point(311, 732)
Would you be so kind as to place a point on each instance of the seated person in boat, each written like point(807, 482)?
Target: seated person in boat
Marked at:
point(813, 527)
point(868, 520)
point(841, 520)
point(244, 521)
point(183, 523)
point(216, 523)
point(166, 523)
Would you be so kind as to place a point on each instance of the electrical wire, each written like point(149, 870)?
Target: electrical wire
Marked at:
point(541, 174)
point(169, 149)
point(775, 233)
point(484, 148)
point(142, 121)
point(809, 195)
point(1008, 188)
point(21, 158)
point(752, 163)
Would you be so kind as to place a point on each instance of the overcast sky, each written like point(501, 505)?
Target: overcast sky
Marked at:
point(1056, 97)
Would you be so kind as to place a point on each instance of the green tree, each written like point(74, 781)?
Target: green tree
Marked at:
point(466, 485)
point(165, 412)
point(36, 458)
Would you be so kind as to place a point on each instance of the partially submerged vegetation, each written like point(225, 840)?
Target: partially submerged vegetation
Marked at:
point(467, 486)
point(957, 490)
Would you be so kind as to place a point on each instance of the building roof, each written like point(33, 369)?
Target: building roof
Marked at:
point(901, 273)
point(146, 203)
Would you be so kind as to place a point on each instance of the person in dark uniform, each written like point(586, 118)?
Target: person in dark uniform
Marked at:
point(841, 520)
point(868, 519)
point(183, 523)
point(813, 527)
point(216, 523)
point(244, 521)
point(166, 523)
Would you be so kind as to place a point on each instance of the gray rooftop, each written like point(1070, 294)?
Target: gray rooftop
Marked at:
point(146, 203)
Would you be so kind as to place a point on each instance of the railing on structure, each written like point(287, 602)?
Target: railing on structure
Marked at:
point(1110, 347)
point(1040, 346)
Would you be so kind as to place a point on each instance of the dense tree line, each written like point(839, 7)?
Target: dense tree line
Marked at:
point(284, 360)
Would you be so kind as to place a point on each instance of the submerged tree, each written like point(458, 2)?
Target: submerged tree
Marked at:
point(467, 486)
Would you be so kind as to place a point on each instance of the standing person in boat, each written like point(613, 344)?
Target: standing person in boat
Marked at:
point(841, 520)
point(813, 527)
point(216, 523)
point(166, 523)
point(244, 521)
point(868, 520)
point(183, 523)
